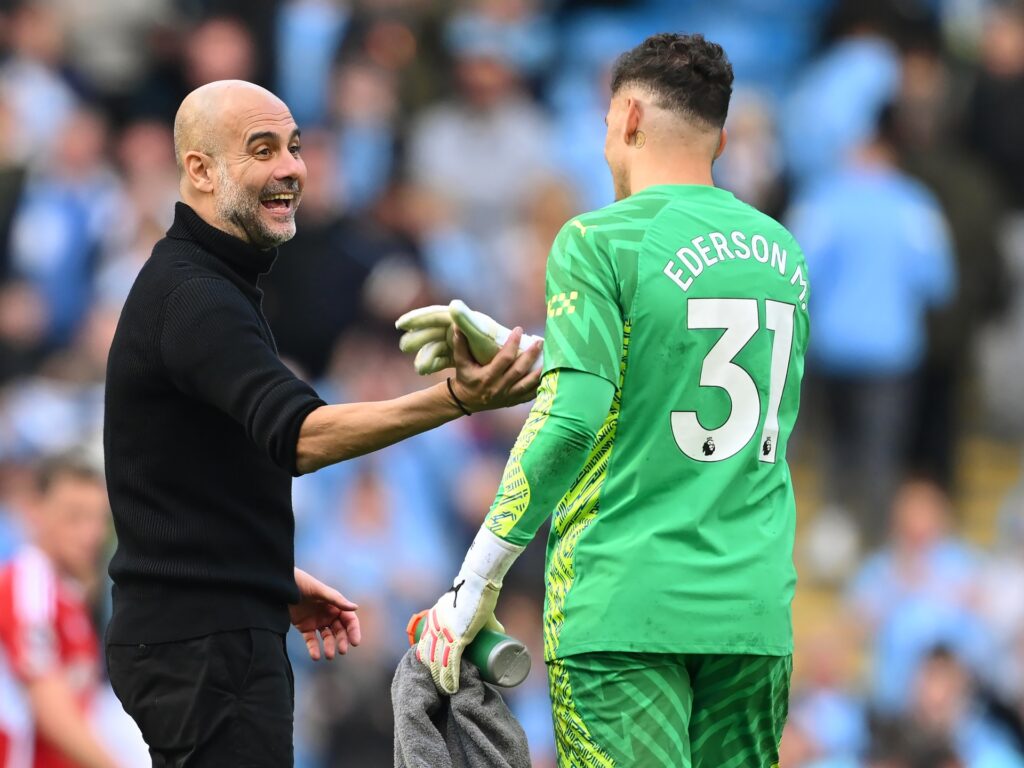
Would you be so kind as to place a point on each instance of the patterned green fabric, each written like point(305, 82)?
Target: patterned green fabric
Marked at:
point(574, 514)
point(677, 534)
point(551, 448)
point(513, 498)
point(616, 710)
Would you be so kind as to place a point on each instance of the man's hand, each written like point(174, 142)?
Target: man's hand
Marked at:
point(324, 610)
point(507, 380)
point(465, 609)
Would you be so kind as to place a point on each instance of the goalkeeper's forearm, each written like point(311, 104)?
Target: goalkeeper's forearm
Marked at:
point(549, 453)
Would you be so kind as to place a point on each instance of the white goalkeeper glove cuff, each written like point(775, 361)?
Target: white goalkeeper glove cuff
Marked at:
point(466, 608)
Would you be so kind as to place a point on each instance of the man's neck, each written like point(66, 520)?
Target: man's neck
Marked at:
point(207, 212)
point(674, 171)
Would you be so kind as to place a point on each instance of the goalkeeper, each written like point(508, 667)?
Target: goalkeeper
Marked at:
point(674, 346)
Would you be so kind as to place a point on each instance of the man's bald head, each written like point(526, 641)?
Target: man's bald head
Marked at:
point(208, 111)
point(237, 149)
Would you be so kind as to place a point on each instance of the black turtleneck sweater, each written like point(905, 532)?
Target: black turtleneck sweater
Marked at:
point(201, 425)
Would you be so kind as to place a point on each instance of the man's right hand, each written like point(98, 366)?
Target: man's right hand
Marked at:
point(509, 379)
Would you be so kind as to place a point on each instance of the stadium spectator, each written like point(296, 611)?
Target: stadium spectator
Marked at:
point(107, 43)
point(308, 37)
point(51, 662)
point(365, 110)
point(829, 718)
point(945, 707)
point(828, 114)
point(996, 111)
point(971, 204)
point(67, 217)
point(219, 48)
point(33, 87)
point(916, 592)
point(492, 124)
point(878, 250)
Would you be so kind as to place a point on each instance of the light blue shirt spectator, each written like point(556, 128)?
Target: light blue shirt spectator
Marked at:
point(910, 608)
point(365, 160)
point(879, 256)
point(833, 107)
point(54, 251)
point(308, 35)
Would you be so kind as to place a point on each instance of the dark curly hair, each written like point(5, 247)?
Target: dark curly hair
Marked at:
point(686, 73)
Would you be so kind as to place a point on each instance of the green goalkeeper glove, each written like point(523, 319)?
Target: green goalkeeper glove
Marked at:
point(428, 335)
point(465, 609)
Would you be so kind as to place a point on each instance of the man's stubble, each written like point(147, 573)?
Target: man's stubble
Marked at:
point(241, 207)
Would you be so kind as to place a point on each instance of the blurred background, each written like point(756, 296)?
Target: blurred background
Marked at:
point(447, 142)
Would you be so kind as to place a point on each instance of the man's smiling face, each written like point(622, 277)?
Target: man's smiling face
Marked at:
point(260, 171)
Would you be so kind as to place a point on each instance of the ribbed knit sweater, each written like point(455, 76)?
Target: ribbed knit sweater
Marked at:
point(200, 432)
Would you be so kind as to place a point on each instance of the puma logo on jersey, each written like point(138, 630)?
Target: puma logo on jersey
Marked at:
point(579, 225)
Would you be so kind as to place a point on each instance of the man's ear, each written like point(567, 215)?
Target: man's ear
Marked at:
point(199, 169)
point(632, 122)
point(721, 144)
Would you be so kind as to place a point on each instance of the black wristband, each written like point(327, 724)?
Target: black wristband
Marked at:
point(451, 391)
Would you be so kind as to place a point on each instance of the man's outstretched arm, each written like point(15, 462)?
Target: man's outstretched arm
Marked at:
point(333, 433)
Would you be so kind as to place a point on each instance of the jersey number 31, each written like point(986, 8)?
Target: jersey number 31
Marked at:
point(739, 319)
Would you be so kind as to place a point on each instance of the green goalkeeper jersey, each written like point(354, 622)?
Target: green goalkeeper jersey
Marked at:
point(677, 535)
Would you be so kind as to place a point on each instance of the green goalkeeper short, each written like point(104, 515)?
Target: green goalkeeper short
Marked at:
point(659, 710)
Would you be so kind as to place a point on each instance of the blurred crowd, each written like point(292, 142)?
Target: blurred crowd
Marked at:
point(447, 141)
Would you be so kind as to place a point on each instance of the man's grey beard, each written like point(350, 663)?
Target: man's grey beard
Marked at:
point(242, 208)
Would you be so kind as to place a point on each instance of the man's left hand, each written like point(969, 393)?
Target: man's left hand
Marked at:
point(325, 611)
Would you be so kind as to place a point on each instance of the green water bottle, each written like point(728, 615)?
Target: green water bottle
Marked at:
point(502, 660)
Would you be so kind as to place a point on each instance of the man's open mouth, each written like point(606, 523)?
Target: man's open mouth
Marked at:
point(279, 203)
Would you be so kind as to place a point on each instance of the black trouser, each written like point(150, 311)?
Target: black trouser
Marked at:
point(220, 701)
point(869, 420)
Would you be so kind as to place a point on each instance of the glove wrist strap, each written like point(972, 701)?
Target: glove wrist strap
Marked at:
point(490, 556)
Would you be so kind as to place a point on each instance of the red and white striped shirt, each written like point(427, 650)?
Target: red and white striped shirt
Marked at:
point(44, 628)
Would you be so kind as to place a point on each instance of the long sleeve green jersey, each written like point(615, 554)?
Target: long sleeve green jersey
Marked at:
point(673, 529)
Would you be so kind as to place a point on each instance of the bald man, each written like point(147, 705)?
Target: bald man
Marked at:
point(205, 428)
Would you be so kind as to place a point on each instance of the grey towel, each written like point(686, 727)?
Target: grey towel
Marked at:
point(472, 729)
